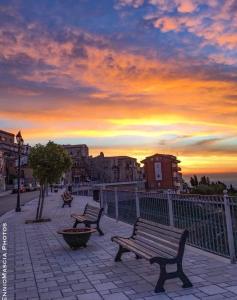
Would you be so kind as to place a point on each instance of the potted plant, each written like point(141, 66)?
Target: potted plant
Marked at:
point(76, 237)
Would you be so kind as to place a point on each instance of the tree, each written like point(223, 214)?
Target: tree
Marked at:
point(194, 181)
point(232, 191)
point(205, 180)
point(48, 163)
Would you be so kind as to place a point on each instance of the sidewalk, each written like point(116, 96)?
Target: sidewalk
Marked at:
point(42, 266)
point(2, 194)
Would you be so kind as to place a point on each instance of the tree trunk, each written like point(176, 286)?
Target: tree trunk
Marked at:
point(42, 202)
point(46, 189)
point(39, 202)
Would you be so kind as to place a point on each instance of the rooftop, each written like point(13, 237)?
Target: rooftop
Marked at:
point(169, 156)
point(42, 266)
point(7, 132)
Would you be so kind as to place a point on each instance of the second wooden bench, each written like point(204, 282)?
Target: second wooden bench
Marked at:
point(91, 215)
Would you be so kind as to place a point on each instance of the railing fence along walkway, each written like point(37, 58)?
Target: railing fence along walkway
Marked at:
point(211, 220)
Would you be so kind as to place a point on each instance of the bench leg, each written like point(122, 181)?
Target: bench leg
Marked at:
point(120, 252)
point(63, 205)
point(138, 257)
point(161, 281)
point(186, 282)
point(75, 224)
point(99, 230)
point(88, 225)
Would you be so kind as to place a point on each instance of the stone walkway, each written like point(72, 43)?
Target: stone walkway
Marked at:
point(42, 266)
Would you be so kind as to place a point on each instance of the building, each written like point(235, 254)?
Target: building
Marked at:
point(115, 169)
point(8, 152)
point(8, 161)
point(80, 170)
point(162, 172)
point(7, 137)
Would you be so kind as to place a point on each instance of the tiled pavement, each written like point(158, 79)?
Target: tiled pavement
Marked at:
point(42, 266)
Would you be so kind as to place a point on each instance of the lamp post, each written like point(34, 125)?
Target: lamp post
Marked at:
point(20, 142)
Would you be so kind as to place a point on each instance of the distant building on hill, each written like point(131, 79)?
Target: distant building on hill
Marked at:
point(162, 172)
point(80, 170)
point(109, 169)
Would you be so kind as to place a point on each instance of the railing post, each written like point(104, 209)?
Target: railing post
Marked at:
point(138, 214)
point(106, 202)
point(170, 207)
point(116, 203)
point(229, 227)
point(101, 197)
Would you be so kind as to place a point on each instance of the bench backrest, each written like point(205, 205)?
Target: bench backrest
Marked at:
point(162, 238)
point(66, 197)
point(93, 212)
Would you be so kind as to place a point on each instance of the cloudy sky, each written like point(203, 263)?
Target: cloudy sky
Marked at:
point(131, 77)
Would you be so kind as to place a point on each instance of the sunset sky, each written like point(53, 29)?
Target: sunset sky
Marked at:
point(127, 77)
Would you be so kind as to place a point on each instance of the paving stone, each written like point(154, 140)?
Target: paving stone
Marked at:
point(232, 289)
point(116, 296)
point(81, 286)
point(186, 297)
point(50, 295)
point(214, 297)
point(158, 297)
point(212, 289)
point(90, 296)
point(105, 286)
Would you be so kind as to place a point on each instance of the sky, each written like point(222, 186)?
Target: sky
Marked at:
point(127, 77)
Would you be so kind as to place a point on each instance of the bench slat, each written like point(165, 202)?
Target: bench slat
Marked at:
point(155, 247)
point(91, 214)
point(157, 240)
point(87, 211)
point(170, 228)
point(133, 245)
point(90, 208)
point(158, 230)
point(157, 237)
point(93, 209)
point(90, 218)
point(136, 251)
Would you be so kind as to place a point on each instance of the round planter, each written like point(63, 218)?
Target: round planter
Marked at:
point(76, 237)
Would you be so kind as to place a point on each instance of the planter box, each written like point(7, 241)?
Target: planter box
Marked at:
point(76, 237)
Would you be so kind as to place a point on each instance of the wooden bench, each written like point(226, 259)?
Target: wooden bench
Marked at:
point(90, 216)
point(66, 200)
point(159, 244)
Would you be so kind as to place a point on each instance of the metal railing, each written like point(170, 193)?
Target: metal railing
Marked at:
point(82, 189)
point(211, 220)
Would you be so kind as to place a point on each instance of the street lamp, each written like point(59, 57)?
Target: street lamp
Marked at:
point(20, 143)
